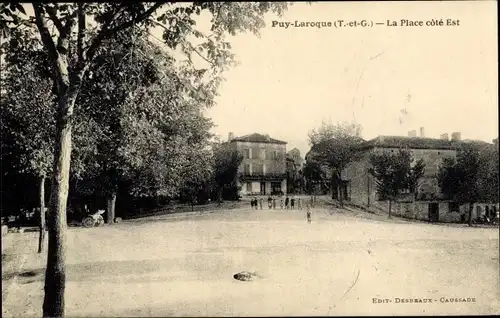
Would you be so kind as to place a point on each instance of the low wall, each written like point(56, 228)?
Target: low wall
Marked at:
point(419, 210)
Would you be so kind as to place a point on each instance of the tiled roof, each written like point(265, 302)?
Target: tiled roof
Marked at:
point(418, 143)
point(259, 139)
point(319, 147)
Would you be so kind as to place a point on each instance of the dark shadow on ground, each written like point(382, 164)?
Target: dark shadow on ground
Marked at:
point(130, 271)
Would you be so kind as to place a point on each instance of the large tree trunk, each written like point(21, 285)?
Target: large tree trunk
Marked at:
point(41, 237)
point(390, 207)
point(340, 189)
point(471, 208)
point(111, 208)
point(55, 275)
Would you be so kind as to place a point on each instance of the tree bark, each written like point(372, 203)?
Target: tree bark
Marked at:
point(111, 208)
point(471, 208)
point(368, 186)
point(340, 189)
point(55, 275)
point(41, 237)
point(390, 207)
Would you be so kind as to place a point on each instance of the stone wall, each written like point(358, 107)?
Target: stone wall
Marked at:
point(362, 186)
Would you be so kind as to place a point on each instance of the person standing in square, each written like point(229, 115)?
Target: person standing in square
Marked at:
point(292, 202)
point(287, 200)
point(308, 214)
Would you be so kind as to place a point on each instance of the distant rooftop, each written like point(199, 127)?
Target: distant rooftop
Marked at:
point(418, 143)
point(259, 138)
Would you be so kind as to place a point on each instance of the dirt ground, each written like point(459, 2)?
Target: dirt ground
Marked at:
point(343, 263)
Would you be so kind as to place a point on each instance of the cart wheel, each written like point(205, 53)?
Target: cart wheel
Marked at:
point(88, 222)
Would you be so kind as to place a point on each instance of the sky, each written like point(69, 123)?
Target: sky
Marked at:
point(388, 79)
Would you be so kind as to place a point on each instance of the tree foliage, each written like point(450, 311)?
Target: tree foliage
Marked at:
point(313, 173)
point(458, 177)
point(416, 173)
point(335, 146)
point(394, 173)
point(79, 32)
point(27, 103)
point(226, 161)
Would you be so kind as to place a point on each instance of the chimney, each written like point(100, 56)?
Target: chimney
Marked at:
point(230, 136)
point(456, 136)
point(444, 136)
point(412, 133)
point(422, 132)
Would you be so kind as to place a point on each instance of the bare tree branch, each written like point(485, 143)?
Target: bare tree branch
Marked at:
point(81, 31)
point(47, 38)
point(53, 16)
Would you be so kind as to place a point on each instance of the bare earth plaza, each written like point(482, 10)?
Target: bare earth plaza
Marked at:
point(233, 159)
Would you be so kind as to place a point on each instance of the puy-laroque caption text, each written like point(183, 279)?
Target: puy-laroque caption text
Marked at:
point(366, 23)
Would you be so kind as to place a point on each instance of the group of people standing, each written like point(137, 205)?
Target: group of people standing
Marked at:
point(288, 203)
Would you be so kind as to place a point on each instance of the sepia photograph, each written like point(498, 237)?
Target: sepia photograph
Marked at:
point(249, 159)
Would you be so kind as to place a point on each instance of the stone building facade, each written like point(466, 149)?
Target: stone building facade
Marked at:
point(263, 168)
point(430, 202)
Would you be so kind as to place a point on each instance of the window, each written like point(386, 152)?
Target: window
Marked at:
point(262, 153)
point(275, 154)
point(247, 153)
point(249, 187)
point(258, 169)
point(247, 169)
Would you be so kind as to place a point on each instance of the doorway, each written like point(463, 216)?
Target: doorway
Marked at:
point(263, 188)
point(434, 212)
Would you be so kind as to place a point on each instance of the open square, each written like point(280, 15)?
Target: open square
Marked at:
point(340, 264)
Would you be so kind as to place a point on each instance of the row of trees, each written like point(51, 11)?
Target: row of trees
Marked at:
point(133, 128)
point(91, 104)
point(472, 176)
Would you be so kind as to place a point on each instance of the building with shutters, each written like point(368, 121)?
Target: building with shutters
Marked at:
point(263, 168)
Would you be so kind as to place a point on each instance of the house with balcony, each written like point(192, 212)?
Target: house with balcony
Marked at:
point(263, 168)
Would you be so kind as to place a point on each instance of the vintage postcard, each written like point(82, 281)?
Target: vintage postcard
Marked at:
point(232, 159)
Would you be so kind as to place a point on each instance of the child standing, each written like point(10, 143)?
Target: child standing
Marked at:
point(281, 203)
point(292, 202)
point(286, 202)
point(270, 202)
point(308, 214)
point(299, 204)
